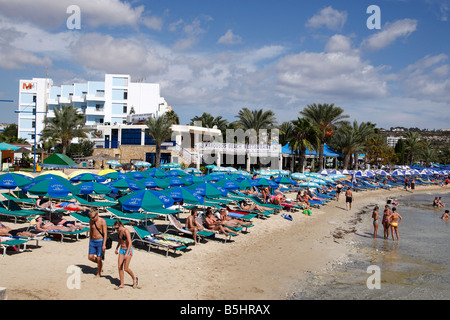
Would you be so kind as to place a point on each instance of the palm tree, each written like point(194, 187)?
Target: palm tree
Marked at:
point(325, 117)
point(285, 130)
point(159, 130)
point(303, 136)
point(363, 132)
point(208, 121)
point(345, 140)
point(255, 120)
point(64, 126)
point(412, 144)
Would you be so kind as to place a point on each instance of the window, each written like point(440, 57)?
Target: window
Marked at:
point(124, 109)
point(125, 95)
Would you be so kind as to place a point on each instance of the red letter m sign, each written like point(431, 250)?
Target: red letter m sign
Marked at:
point(27, 86)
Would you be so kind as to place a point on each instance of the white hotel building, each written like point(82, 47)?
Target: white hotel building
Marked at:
point(105, 102)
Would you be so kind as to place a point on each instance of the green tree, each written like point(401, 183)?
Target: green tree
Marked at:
point(9, 135)
point(209, 121)
point(413, 144)
point(325, 117)
point(285, 130)
point(66, 125)
point(303, 136)
point(159, 130)
point(256, 120)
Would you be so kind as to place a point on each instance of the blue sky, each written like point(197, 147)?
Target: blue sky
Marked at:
point(220, 56)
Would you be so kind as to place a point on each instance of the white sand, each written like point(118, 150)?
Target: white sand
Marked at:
point(265, 263)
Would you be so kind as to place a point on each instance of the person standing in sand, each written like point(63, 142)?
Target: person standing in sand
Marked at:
point(376, 219)
point(97, 240)
point(394, 221)
point(349, 198)
point(125, 253)
point(339, 188)
point(385, 221)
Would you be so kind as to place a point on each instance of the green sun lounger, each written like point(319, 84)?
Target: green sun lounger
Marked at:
point(131, 216)
point(144, 236)
point(13, 242)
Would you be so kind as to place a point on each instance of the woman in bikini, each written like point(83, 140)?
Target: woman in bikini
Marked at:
point(394, 220)
point(125, 253)
point(385, 221)
point(375, 218)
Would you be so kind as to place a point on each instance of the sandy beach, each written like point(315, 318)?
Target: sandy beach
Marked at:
point(263, 264)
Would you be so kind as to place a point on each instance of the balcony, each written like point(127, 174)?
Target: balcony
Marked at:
point(98, 96)
point(81, 98)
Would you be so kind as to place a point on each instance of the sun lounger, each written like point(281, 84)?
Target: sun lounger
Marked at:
point(31, 202)
point(131, 216)
point(12, 209)
point(83, 218)
point(259, 202)
point(12, 242)
point(175, 225)
point(152, 240)
point(200, 220)
point(97, 204)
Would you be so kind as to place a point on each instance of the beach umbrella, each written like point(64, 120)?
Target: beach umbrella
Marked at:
point(182, 194)
point(323, 172)
point(115, 175)
point(146, 200)
point(174, 181)
point(137, 175)
point(227, 184)
point(85, 177)
point(51, 188)
point(55, 173)
point(208, 190)
point(308, 185)
point(267, 183)
point(193, 179)
point(12, 181)
point(156, 173)
point(382, 173)
point(154, 183)
point(193, 171)
point(285, 180)
point(114, 163)
point(25, 174)
point(124, 184)
point(141, 164)
point(176, 173)
point(318, 181)
point(106, 171)
point(397, 173)
point(298, 176)
point(92, 187)
point(214, 176)
point(77, 172)
point(170, 165)
point(244, 184)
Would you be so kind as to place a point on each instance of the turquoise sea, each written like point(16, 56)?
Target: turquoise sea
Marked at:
point(416, 267)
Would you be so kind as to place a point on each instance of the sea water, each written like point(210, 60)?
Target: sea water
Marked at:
point(415, 267)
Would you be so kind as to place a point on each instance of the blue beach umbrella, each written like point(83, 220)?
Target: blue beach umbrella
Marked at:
point(12, 181)
point(84, 177)
point(154, 183)
point(115, 175)
point(137, 175)
point(182, 194)
point(92, 187)
point(208, 190)
point(123, 184)
point(51, 188)
point(156, 173)
point(176, 173)
point(227, 184)
point(146, 200)
point(174, 181)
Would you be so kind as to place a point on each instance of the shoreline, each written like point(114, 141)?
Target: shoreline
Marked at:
point(265, 264)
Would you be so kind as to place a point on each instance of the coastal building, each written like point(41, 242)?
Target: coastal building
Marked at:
point(107, 102)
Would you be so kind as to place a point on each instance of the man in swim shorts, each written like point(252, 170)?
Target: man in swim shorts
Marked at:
point(349, 198)
point(97, 240)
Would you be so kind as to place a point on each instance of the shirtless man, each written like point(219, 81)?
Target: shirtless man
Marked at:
point(394, 220)
point(385, 221)
point(349, 198)
point(192, 225)
point(445, 216)
point(97, 240)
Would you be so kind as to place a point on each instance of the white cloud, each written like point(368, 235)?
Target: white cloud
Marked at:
point(191, 32)
point(334, 75)
point(230, 38)
point(389, 33)
point(13, 58)
point(105, 53)
point(338, 43)
point(329, 18)
point(53, 14)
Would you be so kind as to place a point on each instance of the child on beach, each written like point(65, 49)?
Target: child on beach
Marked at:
point(445, 216)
